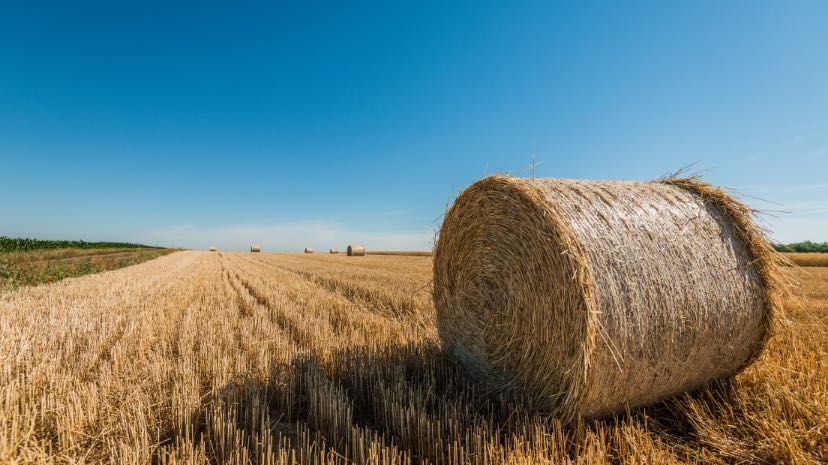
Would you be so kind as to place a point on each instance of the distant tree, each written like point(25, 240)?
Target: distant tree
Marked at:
point(806, 247)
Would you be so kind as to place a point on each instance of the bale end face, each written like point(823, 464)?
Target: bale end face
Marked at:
point(587, 297)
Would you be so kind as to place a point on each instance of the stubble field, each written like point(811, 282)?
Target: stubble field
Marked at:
point(268, 358)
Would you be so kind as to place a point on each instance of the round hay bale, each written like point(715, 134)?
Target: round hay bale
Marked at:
point(212, 248)
point(255, 248)
point(356, 250)
point(584, 298)
point(308, 250)
point(334, 251)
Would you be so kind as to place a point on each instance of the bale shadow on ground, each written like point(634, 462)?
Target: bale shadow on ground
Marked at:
point(414, 403)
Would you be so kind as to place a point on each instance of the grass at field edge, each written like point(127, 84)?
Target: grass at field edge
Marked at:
point(28, 268)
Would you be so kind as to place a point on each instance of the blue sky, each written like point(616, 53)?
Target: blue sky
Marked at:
point(326, 123)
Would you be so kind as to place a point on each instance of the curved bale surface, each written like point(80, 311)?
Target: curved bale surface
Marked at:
point(356, 251)
point(255, 248)
point(584, 298)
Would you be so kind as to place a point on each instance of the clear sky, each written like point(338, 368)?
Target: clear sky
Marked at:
point(303, 123)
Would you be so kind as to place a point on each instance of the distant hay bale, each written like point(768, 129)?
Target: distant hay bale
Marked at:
point(308, 250)
point(255, 248)
point(213, 248)
point(584, 297)
point(356, 250)
point(334, 251)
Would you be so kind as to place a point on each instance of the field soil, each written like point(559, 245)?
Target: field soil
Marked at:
point(310, 359)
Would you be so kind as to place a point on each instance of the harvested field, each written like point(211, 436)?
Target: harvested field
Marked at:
point(808, 259)
point(292, 358)
point(413, 253)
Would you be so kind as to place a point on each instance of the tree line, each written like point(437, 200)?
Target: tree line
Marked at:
point(806, 246)
point(8, 244)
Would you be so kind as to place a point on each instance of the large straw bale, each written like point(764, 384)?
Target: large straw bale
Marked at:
point(584, 298)
point(356, 250)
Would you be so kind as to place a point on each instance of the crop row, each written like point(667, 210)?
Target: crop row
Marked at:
point(8, 244)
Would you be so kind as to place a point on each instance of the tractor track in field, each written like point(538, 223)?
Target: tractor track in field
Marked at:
point(361, 297)
point(358, 296)
point(277, 314)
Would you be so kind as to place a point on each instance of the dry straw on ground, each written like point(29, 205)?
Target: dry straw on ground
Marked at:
point(206, 358)
point(809, 259)
point(588, 297)
point(308, 250)
point(255, 248)
point(410, 253)
point(356, 250)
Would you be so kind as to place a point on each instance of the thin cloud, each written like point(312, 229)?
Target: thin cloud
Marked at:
point(787, 229)
point(807, 207)
point(288, 236)
point(812, 142)
point(781, 189)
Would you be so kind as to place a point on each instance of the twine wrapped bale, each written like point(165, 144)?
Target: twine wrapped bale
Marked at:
point(308, 250)
point(255, 248)
point(584, 298)
point(356, 251)
point(212, 248)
